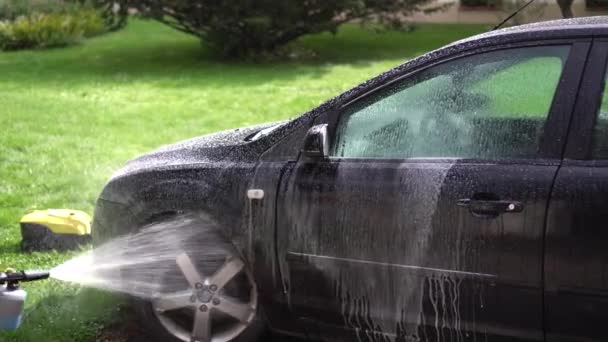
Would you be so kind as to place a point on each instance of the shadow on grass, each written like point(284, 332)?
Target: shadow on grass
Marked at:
point(10, 246)
point(89, 316)
point(73, 317)
point(146, 49)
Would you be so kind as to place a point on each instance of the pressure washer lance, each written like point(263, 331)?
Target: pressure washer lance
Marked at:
point(12, 298)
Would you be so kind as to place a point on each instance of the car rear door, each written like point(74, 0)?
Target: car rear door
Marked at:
point(576, 263)
point(427, 220)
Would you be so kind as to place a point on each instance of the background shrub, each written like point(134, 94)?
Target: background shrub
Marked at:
point(12, 9)
point(243, 27)
point(46, 23)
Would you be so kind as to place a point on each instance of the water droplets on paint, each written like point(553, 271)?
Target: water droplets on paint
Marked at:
point(143, 263)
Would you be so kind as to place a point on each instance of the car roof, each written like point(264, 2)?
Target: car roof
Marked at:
point(563, 28)
point(596, 21)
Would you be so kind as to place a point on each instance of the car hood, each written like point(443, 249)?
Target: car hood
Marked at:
point(204, 149)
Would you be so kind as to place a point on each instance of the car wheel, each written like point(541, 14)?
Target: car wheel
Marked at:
point(221, 307)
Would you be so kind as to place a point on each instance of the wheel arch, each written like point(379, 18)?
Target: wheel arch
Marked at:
point(128, 203)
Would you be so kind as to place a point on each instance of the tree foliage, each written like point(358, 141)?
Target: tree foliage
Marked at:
point(113, 12)
point(241, 27)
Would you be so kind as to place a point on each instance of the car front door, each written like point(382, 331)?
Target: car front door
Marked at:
point(426, 221)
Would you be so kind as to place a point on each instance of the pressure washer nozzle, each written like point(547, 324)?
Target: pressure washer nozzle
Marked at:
point(16, 277)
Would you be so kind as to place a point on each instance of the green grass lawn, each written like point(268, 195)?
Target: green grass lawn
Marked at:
point(70, 117)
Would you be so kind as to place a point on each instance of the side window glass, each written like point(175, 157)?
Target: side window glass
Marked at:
point(600, 131)
point(491, 105)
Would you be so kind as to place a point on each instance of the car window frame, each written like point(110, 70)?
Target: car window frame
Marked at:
point(579, 145)
point(553, 139)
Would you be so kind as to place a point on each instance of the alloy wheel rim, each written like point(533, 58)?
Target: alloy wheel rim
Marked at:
point(206, 300)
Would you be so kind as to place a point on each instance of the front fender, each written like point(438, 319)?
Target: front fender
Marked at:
point(129, 201)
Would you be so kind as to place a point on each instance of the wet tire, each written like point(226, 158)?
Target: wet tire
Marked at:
point(202, 298)
point(156, 332)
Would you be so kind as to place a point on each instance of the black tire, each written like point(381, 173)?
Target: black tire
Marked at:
point(157, 333)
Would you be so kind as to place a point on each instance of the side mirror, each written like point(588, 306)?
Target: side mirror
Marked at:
point(316, 142)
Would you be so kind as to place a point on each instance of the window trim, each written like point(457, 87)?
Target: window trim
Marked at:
point(579, 145)
point(442, 160)
point(559, 111)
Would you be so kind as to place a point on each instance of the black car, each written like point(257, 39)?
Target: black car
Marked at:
point(462, 196)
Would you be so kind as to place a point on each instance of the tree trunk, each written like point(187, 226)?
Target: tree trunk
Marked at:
point(566, 7)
